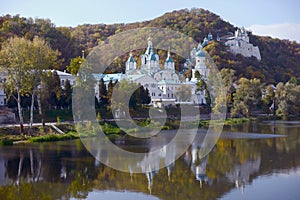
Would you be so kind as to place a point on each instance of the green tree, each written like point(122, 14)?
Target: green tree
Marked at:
point(183, 93)
point(110, 88)
point(197, 75)
point(144, 95)
point(247, 96)
point(124, 91)
point(75, 64)
point(51, 91)
point(201, 85)
point(14, 63)
point(228, 77)
point(41, 57)
point(66, 98)
point(287, 97)
point(103, 99)
point(269, 99)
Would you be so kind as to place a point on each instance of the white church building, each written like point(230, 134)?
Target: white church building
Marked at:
point(162, 82)
point(240, 44)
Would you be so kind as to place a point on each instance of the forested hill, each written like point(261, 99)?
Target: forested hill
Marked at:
point(280, 58)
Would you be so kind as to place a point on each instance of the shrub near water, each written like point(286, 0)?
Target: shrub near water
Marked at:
point(54, 137)
point(6, 142)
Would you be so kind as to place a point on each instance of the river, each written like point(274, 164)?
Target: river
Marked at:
point(253, 160)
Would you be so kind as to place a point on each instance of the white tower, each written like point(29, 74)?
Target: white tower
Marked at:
point(150, 60)
point(130, 63)
point(200, 65)
point(169, 63)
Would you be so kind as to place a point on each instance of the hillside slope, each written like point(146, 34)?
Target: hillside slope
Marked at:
point(280, 58)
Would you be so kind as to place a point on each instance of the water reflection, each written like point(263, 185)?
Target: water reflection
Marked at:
point(64, 170)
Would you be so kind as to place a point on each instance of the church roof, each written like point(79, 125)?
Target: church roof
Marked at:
point(209, 37)
point(135, 77)
point(169, 58)
point(150, 47)
point(205, 41)
point(60, 73)
point(149, 50)
point(131, 59)
point(152, 56)
point(108, 77)
point(200, 54)
point(166, 82)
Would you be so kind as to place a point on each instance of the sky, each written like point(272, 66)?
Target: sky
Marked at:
point(276, 18)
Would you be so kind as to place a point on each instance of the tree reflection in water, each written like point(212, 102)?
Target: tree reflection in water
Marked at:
point(64, 170)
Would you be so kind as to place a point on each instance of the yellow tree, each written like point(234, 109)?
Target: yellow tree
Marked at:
point(15, 65)
point(41, 57)
point(23, 61)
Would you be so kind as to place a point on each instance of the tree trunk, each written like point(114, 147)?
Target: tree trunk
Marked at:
point(31, 164)
point(31, 110)
point(20, 167)
point(20, 111)
point(39, 103)
point(41, 115)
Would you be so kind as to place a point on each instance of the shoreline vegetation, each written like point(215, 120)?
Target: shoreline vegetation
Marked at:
point(11, 135)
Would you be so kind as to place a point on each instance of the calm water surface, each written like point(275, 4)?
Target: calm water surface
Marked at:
point(243, 165)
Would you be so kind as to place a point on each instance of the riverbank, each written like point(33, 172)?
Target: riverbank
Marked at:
point(10, 135)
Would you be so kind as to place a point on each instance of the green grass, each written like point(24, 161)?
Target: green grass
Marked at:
point(54, 137)
point(231, 121)
point(8, 136)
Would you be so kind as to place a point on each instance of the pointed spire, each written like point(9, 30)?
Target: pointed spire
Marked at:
point(82, 54)
point(150, 46)
point(150, 41)
point(131, 58)
point(169, 58)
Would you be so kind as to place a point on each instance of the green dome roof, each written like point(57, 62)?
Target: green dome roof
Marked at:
point(200, 54)
point(169, 59)
point(131, 59)
point(152, 57)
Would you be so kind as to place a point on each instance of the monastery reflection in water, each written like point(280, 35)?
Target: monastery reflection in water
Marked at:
point(59, 164)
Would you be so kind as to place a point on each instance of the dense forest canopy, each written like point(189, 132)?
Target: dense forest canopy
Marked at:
point(280, 58)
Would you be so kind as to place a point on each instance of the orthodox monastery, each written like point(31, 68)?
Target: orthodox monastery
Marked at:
point(162, 82)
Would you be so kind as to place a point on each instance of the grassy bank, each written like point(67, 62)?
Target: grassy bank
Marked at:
point(9, 136)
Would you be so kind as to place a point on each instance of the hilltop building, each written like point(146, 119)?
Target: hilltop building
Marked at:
point(239, 44)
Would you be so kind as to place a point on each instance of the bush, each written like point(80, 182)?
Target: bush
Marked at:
point(54, 137)
point(6, 142)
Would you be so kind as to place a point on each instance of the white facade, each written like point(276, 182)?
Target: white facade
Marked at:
point(200, 59)
point(162, 83)
point(199, 56)
point(3, 97)
point(106, 78)
point(64, 76)
point(239, 44)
